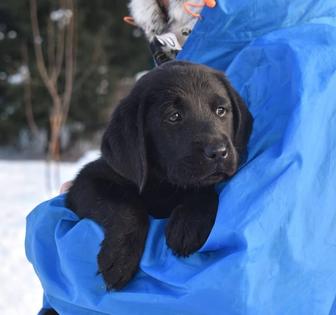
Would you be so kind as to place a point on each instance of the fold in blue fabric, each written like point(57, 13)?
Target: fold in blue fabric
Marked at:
point(272, 250)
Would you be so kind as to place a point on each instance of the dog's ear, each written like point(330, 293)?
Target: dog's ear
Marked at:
point(242, 121)
point(242, 118)
point(123, 145)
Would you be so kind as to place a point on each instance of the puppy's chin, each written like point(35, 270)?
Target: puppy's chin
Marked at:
point(191, 180)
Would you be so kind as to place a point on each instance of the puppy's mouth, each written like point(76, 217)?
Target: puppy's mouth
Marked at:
point(220, 173)
point(201, 172)
point(216, 177)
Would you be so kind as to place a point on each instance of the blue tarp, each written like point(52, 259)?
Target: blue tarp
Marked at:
point(272, 250)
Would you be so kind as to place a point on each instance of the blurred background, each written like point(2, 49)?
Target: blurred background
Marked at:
point(64, 64)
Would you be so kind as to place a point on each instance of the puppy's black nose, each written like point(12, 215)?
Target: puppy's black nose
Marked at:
point(216, 152)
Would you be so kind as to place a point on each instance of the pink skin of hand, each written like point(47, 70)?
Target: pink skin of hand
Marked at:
point(65, 187)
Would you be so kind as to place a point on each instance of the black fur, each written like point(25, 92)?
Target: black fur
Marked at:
point(153, 165)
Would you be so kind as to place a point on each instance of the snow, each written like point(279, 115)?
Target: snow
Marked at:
point(61, 16)
point(22, 188)
point(21, 76)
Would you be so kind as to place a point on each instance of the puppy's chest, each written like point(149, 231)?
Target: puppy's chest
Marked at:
point(160, 203)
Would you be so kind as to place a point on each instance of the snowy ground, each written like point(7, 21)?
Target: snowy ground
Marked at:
point(23, 186)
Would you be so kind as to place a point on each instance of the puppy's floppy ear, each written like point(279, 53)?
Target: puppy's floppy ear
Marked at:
point(123, 145)
point(242, 118)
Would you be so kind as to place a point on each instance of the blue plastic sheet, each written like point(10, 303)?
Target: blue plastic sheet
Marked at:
point(272, 250)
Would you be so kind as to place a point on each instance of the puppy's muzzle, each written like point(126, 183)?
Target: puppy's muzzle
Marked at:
point(223, 155)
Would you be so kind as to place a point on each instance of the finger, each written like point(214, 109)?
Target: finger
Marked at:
point(65, 187)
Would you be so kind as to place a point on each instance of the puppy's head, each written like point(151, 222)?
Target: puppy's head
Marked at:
point(183, 122)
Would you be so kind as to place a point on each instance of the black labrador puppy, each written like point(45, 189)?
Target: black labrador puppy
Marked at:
point(181, 130)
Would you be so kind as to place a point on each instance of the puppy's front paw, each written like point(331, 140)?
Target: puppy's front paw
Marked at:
point(119, 258)
point(187, 232)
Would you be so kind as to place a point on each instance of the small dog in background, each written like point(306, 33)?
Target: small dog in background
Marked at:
point(166, 23)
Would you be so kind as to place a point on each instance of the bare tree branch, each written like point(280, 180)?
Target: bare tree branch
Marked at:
point(59, 53)
point(69, 61)
point(27, 93)
point(41, 66)
point(65, 47)
point(51, 47)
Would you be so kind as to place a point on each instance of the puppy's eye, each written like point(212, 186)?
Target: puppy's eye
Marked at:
point(221, 111)
point(175, 117)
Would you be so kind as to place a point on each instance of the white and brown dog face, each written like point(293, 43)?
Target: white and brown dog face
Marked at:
point(165, 23)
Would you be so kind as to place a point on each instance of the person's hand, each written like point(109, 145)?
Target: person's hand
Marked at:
point(65, 187)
